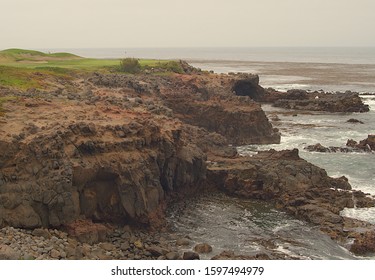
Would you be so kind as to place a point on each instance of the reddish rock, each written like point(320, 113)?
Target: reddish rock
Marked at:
point(203, 248)
point(88, 232)
point(364, 243)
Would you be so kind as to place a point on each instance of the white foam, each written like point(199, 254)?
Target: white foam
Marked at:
point(363, 214)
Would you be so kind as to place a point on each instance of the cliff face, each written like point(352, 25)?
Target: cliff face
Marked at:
point(112, 148)
point(223, 104)
point(117, 168)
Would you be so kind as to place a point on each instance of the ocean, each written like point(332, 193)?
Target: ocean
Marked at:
point(247, 226)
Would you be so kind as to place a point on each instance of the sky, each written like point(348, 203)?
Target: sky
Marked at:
point(186, 23)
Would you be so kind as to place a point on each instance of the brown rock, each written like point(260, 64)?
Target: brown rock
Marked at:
point(203, 248)
point(172, 256)
point(86, 231)
point(7, 253)
point(54, 254)
point(189, 255)
point(183, 242)
point(41, 232)
point(107, 246)
point(364, 243)
point(157, 251)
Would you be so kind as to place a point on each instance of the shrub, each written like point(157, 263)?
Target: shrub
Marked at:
point(168, 66)
point(130, 65)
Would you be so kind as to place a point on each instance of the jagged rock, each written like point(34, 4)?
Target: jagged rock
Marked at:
point(366, 145)
point(364, 243)
point(292, 183)
point(316, 101)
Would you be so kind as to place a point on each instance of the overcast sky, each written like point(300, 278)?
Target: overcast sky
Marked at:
point(185, 23)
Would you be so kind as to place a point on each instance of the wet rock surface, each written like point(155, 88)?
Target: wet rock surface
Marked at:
point(316, 101)
point(293, 184)
point(366, 145)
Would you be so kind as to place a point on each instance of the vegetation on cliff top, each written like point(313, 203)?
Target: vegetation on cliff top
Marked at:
point(24, 69)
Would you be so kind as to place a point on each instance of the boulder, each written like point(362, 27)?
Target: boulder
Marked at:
point(88, 232)
point(203, 248)
point(190, 255)
point(364, 243)
point(7, 253)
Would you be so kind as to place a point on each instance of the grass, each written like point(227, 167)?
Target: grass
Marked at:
point(21, 69)
point(19, 78)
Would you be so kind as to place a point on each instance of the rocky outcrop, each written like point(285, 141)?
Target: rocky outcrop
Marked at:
point(364, 243)
point(316, 101)
point(108, 148)
point(113, 148)
point(366, 145)
point(248, 85)
point(292, 184)
point(102, 171)
point(220, 104)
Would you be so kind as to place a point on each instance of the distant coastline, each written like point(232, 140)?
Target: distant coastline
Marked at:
point(346, 55)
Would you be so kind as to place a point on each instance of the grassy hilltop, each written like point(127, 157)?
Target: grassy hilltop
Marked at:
point(24, 69)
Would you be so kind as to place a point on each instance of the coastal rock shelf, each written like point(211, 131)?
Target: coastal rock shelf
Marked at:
point(366, 145)
point(316, 101)
point(295, 185)
point(98, 150)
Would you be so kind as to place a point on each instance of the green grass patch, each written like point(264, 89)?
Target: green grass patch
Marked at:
point(19, 78)
point(25, 69)
point(38, 60)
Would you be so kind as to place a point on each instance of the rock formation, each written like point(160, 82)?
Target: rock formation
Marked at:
point(110, 148)
point(293, 184)
point(316, 101)
point(366, 145)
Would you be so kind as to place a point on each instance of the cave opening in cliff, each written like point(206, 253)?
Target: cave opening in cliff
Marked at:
point(245, 88)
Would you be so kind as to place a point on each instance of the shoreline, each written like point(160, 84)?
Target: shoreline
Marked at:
point(113, 148)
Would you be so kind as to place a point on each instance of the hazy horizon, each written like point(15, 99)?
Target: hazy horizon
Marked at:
point(46, 24)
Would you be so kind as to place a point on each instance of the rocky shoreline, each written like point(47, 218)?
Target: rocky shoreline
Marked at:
point(90, 166)
point(316, 101)
point(367, 145)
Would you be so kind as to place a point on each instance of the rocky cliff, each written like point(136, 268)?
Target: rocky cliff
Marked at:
point(217, 103)
point(112, 148)
point(109, 148)
point(67, 160)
